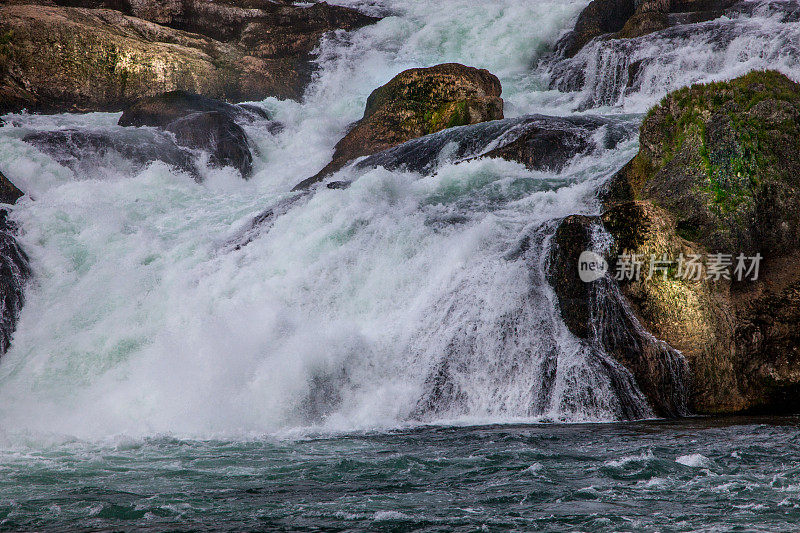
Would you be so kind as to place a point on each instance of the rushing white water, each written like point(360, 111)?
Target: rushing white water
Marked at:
point(140, 320)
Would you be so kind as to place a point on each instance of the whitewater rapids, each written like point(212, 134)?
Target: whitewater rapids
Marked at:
point(141, 321)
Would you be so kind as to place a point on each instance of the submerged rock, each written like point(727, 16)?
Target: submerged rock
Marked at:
point(101, 58)
point(86, 151)
point(216, 133)
point(415, 103)
point(537, 141)
point(717, 173)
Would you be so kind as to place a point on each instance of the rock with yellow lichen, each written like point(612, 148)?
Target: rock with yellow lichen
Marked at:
point(414, 103)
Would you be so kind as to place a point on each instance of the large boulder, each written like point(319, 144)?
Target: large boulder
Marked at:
point(598, 315)
point(55, 58)
point(718, 172)
point(415, 103)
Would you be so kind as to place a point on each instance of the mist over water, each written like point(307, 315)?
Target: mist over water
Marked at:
point(140, 320)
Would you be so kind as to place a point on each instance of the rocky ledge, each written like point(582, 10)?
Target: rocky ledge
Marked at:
point(627, 19)
point(103, 55)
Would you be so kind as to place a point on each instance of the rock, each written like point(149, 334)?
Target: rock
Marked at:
point(718, 171)
point(199, 123)
point(539, 142)
point(600, 17)
point(9, 194)
point(414, 103)
point(219, 135)
point(56, 59)
point(627, 19)
point(554, 143)
point(86, 151)
point(14, 268)
point(657, 15)
point(162, 109)
point(596, 313)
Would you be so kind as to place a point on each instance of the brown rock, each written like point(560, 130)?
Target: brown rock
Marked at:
point(56, 58)
point(414, 103)
point(598, 18)
point(626, 19)
point(718, 172)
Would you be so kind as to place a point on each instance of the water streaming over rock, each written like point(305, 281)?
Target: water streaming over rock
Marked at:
point(417, 293)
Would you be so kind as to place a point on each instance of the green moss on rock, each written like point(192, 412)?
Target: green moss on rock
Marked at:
point(718, 171)
point(418, 102)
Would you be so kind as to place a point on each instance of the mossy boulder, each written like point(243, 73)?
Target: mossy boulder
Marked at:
point(718, 171)
point(418, 102)
point(724, 160)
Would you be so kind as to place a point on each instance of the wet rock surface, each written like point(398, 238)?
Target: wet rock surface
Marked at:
point(415, 103)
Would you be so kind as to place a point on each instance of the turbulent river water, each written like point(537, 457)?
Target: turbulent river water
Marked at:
point(162, 374)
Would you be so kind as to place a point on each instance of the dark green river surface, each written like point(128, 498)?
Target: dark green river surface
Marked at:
point(692, 475)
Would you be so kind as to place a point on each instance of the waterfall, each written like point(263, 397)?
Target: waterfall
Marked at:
point(170, 296)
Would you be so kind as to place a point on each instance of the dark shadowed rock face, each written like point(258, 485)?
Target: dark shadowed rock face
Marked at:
point(219, 135)
point(415, 103)
point(717, 172)
point(77, 55)
point(597, 313)
point(14, 268)
point(9, 193)
point(14, 273)
point(200, 123)
point(162, 109)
